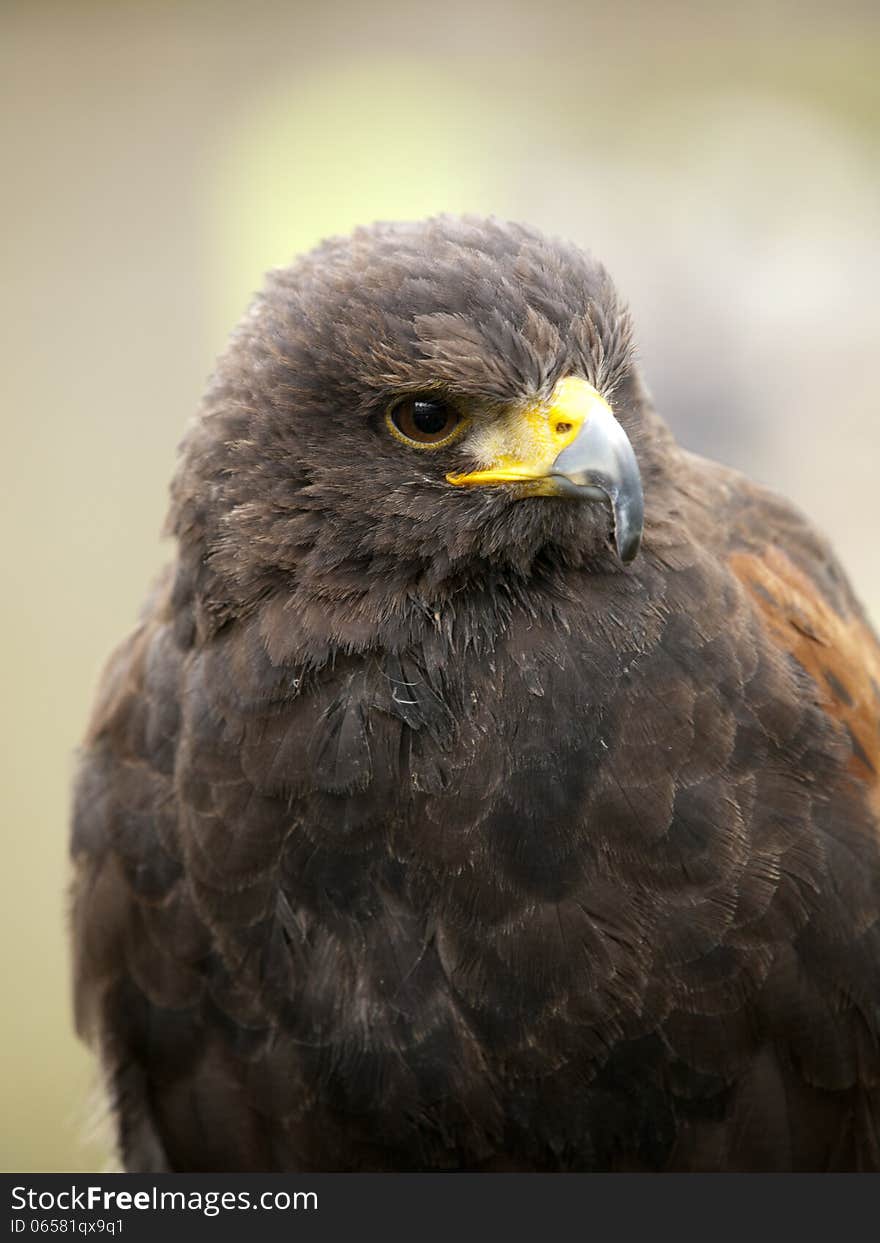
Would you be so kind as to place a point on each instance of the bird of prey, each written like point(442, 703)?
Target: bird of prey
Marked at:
point(490, 784)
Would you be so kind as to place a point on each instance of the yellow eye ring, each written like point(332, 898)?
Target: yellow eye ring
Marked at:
point(424, 420)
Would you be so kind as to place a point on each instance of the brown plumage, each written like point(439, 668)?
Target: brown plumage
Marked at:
point(416, 831)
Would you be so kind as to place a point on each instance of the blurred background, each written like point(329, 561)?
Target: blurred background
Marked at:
point(158, 157)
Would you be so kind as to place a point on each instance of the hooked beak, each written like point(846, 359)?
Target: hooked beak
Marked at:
point(570, 446)
point(600, 464)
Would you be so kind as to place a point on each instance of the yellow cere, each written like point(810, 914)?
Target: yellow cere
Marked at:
point(523, 444)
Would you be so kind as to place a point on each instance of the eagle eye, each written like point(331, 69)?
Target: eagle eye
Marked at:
point(424, 420)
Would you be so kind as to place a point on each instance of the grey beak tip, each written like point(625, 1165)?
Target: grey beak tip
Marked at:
point(628, 505)
point(628, 546)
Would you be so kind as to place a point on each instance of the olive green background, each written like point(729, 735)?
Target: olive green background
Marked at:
point(157, 157)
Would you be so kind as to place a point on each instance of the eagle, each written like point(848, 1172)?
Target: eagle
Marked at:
point(490, 784)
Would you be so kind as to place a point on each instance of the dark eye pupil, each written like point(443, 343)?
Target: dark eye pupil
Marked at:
point(430, 417)
point(427, 420)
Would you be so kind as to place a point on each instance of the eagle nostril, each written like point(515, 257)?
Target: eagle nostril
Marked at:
point(562, 429)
